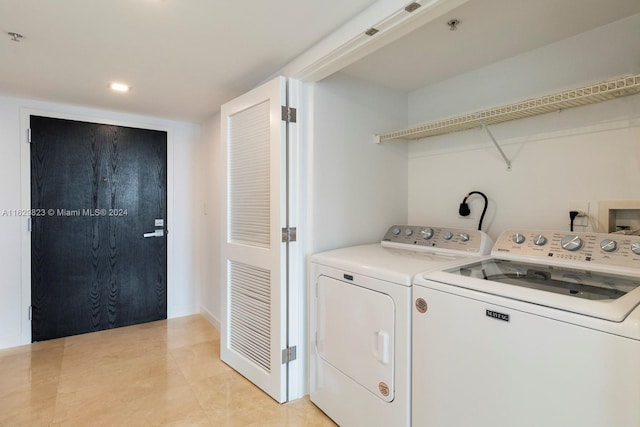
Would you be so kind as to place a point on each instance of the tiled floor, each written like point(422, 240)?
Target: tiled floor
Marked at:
point(160, 373)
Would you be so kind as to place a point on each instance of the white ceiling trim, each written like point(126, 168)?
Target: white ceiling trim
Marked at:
point(350, 43)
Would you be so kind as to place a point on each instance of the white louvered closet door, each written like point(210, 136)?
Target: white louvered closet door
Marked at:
point(253, 324)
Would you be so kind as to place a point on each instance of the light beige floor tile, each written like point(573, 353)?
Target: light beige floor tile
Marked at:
point(51, 346)
point(200, 361)
point(27, 411)
point(232, 401)
point(29, 378)
point(154, 374)
point(29, 371)
point(176, 406)
point(190, 330)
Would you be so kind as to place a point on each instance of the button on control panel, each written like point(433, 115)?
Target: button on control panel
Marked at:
point(594, 248)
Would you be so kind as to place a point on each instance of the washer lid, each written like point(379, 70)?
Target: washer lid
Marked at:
point(604, 295)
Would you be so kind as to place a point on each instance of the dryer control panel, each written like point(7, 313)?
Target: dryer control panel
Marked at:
point(419, 237)
point(593, 248)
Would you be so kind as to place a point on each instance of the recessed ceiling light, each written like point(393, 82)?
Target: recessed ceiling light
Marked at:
point(120, 87)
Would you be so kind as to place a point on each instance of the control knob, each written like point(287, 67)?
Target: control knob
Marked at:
point(635, 248)
point(464, 237)
point(608, 245)
point(427, 233)
point(518, 238)
point(448, 235)
point(408, 232)
point(540, 240)
point(571, 242)
point(395, 231)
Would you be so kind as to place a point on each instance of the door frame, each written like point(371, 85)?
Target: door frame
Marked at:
point(25, 201)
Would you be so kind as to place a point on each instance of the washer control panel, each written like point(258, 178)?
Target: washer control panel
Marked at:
point(447, 239)
point(594, 248)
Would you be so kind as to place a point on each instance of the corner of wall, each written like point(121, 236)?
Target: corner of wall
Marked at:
point(215, 322)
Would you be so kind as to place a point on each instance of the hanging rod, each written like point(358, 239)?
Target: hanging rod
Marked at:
point(612, 89)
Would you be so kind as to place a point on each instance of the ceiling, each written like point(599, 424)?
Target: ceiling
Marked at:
point(182, 58)
point(185, 58)
point(489, 31)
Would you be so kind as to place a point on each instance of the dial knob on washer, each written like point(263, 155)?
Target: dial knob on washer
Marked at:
point(464, 237)
point(408, 232)
point(518, 238)
point(635, 248)
point(608, 245)
point(427, 233)
point(447, 235)
point(540, 240)
point(395, 231)
point(571, 242)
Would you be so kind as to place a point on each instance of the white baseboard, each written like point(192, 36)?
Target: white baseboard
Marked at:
point(210, 317)
point(173, 312)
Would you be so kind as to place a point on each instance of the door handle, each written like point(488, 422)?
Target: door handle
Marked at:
point(157, 233)
point(381, 346)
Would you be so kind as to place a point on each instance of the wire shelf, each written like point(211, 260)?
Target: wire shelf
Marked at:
point(605, 91)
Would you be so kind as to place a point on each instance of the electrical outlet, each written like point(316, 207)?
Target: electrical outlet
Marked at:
point(582, 206)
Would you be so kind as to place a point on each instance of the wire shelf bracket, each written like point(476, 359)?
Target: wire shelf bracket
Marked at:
point(612, 89)
point(493, 139)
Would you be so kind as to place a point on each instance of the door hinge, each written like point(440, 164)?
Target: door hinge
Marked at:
point(289, 234)
point(289, 354)
point(29, 224)
point(30, 312)
point(29, 136)
point(289, 114)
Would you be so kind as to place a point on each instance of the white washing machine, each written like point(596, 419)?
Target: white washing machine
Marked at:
point(360, 318)
point(544, 332)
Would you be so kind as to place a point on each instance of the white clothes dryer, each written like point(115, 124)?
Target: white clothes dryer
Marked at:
point(360, 320)
point(544, 332)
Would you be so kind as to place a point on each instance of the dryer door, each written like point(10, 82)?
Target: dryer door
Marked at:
point(355, 329)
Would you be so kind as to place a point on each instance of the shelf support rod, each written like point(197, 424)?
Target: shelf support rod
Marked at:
point(504, 156)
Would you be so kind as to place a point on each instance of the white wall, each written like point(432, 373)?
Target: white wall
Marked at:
point(183, 288)
point(210, 169)
point(10, 263)
point(589, 153)
point(590, 57)
point(357, 188)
